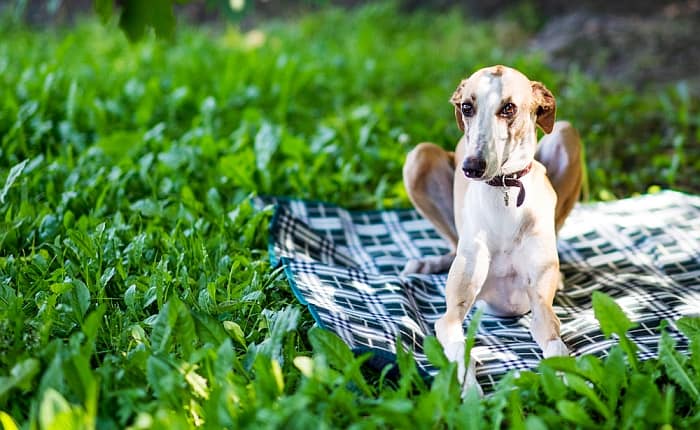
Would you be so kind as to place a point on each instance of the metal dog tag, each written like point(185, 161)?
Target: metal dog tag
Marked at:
point(505, 190)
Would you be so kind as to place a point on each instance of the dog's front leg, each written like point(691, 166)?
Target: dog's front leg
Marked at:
point(545, 323)
point(464, 281)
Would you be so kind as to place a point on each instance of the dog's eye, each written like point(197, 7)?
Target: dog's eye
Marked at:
point(508, 110)
point(467, 109)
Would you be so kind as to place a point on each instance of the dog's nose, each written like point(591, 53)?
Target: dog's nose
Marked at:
point(474, 167)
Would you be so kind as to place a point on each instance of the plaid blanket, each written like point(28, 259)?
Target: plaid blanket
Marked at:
point(344, 266)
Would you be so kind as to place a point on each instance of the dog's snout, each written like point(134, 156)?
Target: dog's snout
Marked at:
point(474, 167)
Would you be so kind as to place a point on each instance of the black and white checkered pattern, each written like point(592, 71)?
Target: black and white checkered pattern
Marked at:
point(643, 251)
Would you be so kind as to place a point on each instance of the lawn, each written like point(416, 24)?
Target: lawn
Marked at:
point(135, 288)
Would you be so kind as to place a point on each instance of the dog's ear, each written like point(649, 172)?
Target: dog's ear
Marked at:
point(456, 101)
point(545, 106)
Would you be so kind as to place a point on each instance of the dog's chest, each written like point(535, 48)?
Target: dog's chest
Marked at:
point(504, 231)
point(504, 264)
point(501, 226)
point(505, 287)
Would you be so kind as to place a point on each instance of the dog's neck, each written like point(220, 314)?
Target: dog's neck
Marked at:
point(511, 180)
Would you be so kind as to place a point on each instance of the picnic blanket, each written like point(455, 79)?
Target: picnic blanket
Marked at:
point(345, 267)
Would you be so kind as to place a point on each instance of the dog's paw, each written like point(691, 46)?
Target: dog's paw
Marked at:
point(555, 348)
point(449, 332)
point(466, 375)
point(451, 337)
point(455, 352)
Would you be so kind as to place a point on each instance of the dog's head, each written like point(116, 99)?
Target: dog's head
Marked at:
point(498, 109)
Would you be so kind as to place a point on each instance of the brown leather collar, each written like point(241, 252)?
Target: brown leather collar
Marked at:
point(512, 180)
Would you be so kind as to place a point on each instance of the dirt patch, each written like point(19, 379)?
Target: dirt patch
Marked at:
point(640, 50)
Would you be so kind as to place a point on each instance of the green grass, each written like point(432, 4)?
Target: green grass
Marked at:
point(135, 288)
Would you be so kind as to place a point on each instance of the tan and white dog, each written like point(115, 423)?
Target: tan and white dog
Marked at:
point(499, 201)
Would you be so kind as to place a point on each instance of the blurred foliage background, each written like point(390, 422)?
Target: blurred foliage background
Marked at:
point(627, 77)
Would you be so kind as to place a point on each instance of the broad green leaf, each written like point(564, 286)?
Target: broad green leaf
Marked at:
point(277, 374)
point(435, 353)
point(533, 422)
point(445, 384)
point(117, 145)
point(329, 344)
point(106, 276)
point(610, 315)
point(15, 171)
point(667, 412)
point(208, 329)
point(165, 381)
point(235, 331)
point(226, 362)
point(689, 326)
point(53, 376)
point(581, 386)
point(408, 370)
point(80, 299)
point(6, 422)
point(471, 335)
point(78, 374)
point(471, 412)
point(147, 207)
point(281, 323)
point(267, 383)
point(305, 365)
point(675, 365)
point(266, 142)
point(55, 413)
point(185, 329)
point(396, 406)
point(695, 359)
point(130, 297)
point(197, 383)
point(575, 413)
point(498, 402)
point(563, 364)
point(92, 324)
point(61, 287)
point(552, 384)
point(591, 368)
point(515, 411)
point(642, 402)
point(21, 376)
point(162, 333)
point(614, 321)
point(615, 377)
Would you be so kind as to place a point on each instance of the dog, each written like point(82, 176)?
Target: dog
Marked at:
point(499, 200)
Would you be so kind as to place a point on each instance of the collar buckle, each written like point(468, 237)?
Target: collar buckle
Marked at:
point(511, 180)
